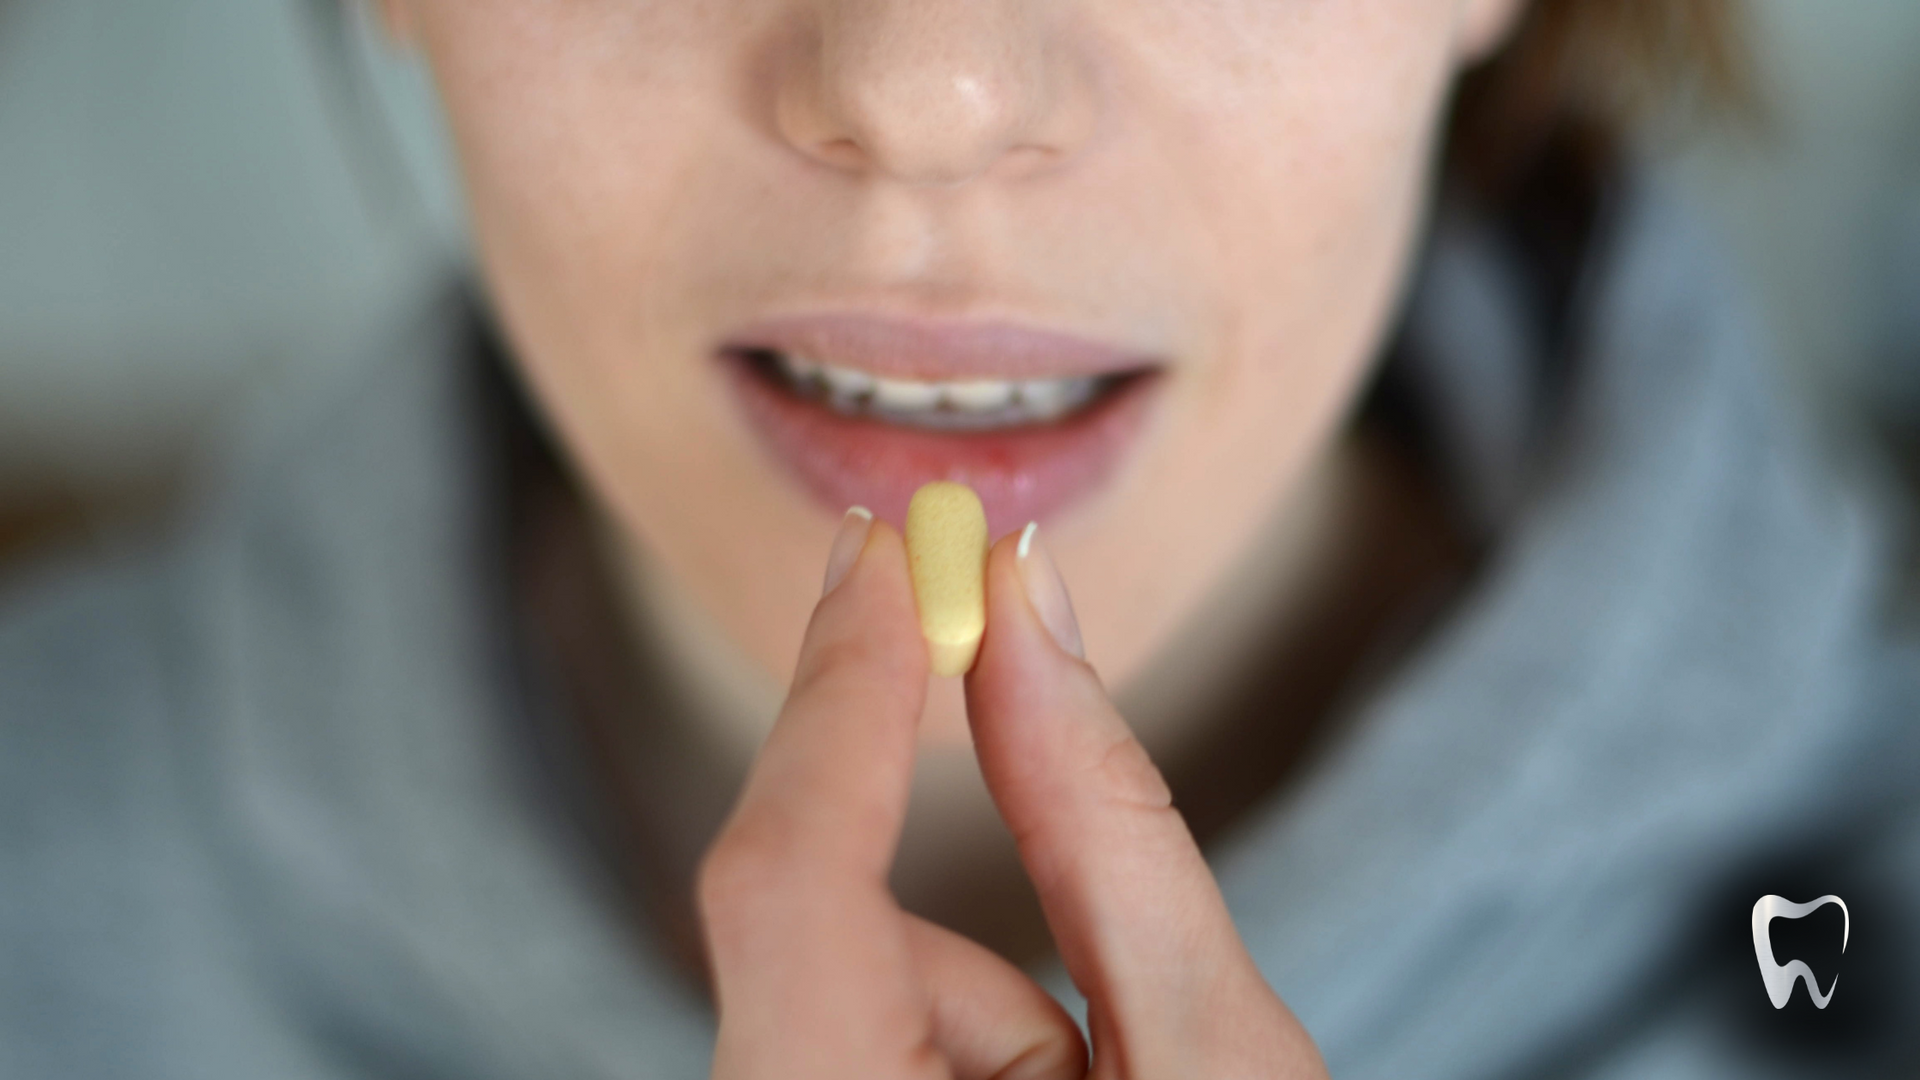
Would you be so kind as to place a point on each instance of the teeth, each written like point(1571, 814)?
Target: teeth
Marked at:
point(800, 367)
point(1046, 398)
point(845, 382)
point(976, 403)
point(980, 396)
point(899, 395)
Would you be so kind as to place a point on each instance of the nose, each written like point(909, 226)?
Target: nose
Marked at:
point(933, 91)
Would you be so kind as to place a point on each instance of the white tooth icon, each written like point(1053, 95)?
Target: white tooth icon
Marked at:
point(1781, 977)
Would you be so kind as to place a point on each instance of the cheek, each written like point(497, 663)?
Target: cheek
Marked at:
point(1301, 159)
point(570, 154)
point(580, 160)
point(595, 143)
point(1317, 176)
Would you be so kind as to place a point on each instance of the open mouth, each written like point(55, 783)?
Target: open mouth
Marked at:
point(957, 405)
point(851, 434)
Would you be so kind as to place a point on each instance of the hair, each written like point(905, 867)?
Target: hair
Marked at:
point(1578, 76)
point(1537, 142)
point(1539, 132)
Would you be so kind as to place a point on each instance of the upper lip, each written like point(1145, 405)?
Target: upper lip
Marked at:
point(936, 350)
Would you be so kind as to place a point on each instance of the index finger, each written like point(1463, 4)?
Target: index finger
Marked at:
point(811, 963)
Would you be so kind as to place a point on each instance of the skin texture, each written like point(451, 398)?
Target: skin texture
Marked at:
point(1234, 185)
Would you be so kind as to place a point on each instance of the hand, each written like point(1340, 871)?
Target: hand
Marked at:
point(817, 970)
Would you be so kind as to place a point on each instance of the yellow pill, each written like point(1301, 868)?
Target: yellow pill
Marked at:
point(947, 552)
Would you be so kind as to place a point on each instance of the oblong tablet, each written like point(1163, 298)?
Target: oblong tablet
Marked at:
point(947, 553)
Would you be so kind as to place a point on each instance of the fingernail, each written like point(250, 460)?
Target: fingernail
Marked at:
point(1047, 593)
point(846, 545)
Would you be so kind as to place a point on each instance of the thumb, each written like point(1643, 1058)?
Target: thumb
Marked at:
point(1140, 922)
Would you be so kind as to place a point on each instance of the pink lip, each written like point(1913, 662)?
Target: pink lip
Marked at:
point(1021, 474)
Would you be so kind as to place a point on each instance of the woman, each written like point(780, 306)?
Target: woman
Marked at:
point(1489, 626)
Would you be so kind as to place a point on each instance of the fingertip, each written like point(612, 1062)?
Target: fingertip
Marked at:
point(878, 574)
point(1018, 648)
point(1032, 706)
point(869, 612)
point(1007, 604)
point(848, 542)
point(1047, 591)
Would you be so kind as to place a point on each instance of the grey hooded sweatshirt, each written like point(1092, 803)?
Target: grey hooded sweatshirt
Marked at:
point(265, 807)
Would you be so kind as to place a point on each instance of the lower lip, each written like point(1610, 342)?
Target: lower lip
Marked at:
point(1021, 474)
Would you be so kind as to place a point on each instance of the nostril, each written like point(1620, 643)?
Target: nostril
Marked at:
point(843, 152)
point(926, 127)
point(929, 91)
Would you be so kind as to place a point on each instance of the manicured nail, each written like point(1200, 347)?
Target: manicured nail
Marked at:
point(1047, 593)
point(846, 545)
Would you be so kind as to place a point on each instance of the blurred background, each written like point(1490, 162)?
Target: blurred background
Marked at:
point(200, 197)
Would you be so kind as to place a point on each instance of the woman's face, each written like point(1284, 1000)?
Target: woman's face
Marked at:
point(1121, 265)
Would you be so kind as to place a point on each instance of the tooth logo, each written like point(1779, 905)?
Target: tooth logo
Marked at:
point(1778, 977)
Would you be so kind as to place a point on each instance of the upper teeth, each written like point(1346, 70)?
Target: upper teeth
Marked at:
point(960, 403)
